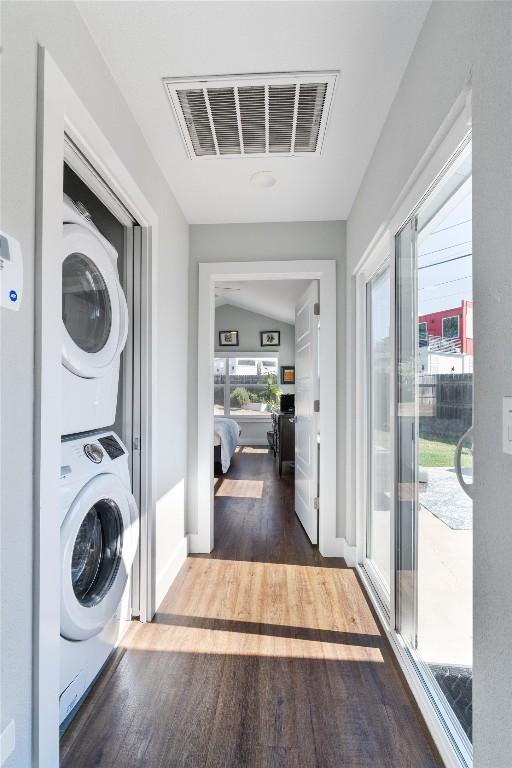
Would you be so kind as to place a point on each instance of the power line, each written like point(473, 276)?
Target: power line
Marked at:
point(447, 248)
point(440, 298)
point(446, 261)
point(452, 226)
point(446, 282)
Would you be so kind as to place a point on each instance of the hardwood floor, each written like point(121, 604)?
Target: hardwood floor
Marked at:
point(262, 654)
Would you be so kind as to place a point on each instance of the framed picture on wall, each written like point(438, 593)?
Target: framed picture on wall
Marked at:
point(287, 374)
point(270, 338)
point(228, 338)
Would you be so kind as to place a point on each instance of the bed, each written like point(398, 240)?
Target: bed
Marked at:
point(225, 439)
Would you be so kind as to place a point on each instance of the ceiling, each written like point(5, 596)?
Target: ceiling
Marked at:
point(368, 42)
point(272, 298)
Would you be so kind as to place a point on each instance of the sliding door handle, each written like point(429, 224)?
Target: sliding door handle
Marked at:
point(466, 487)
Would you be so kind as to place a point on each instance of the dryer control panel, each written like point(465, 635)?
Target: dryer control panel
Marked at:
point(112, 446)
point(11, 272)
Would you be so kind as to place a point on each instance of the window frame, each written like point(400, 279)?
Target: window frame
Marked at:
point(451, 317)
point(242, 355)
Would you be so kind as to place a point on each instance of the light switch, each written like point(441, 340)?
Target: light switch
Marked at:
point(507, 425)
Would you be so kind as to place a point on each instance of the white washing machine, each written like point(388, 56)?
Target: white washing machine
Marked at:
point(94, 324)
point(99, 537)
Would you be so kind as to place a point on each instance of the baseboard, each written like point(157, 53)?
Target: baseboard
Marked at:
point(339, 547)
point(350, 554)
point(197, 545)
point(169, 573)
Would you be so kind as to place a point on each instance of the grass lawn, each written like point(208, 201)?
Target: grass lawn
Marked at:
point(440, 452)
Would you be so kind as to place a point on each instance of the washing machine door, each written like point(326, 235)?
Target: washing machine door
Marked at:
point(94, 310)
point(99, 538)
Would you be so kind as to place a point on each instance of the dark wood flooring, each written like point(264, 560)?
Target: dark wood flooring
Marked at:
point(263, 653)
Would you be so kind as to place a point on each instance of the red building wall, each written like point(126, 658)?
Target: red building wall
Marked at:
point(434, 321)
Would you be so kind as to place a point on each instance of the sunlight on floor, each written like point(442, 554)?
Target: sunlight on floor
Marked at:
point(263, 609)
point(250, 449)
point(243, 489)
point(188, 640)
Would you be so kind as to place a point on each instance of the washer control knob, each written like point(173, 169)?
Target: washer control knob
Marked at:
point(93, 452)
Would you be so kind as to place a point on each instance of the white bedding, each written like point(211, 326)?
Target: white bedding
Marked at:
point(226, 433)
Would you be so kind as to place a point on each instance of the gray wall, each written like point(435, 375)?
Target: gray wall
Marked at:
point(60, 27)
point(456, 37)
point(249, 324)
point(272, 242)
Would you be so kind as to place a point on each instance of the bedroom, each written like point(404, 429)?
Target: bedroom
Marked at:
point(254, 396)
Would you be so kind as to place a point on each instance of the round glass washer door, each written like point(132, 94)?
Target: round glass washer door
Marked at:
point(94, 310)
point(98, 542)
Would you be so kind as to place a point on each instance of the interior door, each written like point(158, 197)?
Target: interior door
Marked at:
point(306, 407)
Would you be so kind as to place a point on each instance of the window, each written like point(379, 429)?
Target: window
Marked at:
point(422, 335)
point(245, 386)
point(451, 327)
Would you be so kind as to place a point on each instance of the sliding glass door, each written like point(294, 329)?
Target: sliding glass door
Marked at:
point(378, 539)
point(434, 411)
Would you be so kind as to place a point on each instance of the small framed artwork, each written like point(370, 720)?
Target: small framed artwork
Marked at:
point(270, 338)
point(287, 374)
point(228, 338)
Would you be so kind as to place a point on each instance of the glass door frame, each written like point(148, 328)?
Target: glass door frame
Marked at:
point(407, 633)
point(379, 259)
point(438, 716)
point(385, 595)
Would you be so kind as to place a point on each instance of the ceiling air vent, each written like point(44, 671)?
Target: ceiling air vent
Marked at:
point(253, 115)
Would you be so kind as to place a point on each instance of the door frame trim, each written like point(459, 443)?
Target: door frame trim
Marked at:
point(202, 540)
point(60, 112)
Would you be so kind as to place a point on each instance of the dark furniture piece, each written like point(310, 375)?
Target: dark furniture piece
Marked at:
point(287, 404)
point(217, 461)
point(283, 427)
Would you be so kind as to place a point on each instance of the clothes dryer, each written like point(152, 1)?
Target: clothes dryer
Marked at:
point(94, 324)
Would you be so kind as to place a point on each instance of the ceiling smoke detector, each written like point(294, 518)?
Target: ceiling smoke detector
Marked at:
point(266, 115)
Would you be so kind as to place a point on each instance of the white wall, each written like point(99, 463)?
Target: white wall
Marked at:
point(268, 242)
point(456, 37)
point(59, 27)
point(249, 324)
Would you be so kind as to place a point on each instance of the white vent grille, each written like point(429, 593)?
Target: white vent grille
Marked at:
point(253, 115)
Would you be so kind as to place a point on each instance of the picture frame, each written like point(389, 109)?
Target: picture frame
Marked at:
point(287, 374)
point(270, 338)
point(228, 338)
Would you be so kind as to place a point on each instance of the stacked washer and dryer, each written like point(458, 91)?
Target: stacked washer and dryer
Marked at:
point(99, 516)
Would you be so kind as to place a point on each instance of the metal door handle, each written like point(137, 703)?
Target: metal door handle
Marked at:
point(466, 487)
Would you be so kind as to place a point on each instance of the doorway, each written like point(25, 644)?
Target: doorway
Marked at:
point(265, 373)
point(434, 416)
point(415, 310)
point(211, 275)
point(59, 108)
point(114, 221)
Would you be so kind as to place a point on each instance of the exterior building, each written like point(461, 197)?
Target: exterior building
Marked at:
point(455, 325)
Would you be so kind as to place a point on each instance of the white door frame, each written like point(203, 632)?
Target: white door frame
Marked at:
point(60, 112)
point(324, 271)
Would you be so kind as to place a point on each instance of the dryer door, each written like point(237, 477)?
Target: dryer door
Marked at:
point(99, 538)
point(94, 311)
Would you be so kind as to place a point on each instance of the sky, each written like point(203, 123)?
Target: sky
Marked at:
point(445, 285)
